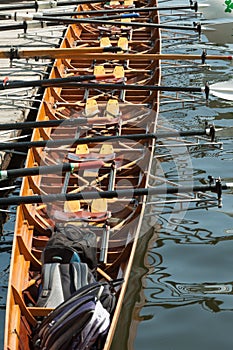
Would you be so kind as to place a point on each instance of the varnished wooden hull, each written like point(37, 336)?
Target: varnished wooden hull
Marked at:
point(137, 113)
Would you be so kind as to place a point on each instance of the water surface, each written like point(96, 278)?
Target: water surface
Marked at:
point(188, 296)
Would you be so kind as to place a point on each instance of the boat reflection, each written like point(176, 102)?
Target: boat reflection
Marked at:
point(134, 300)
point(189, 232)
point(160, 291)
point(205, 288)
point(171, 294)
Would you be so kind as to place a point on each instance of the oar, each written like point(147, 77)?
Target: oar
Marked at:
point(50, 123)
point(75, 53)
point(86, 121)
point(24, 6)
point(194, 7)
point(27, 25)
point(19, 16)
point(54, 169)
point(43, 22)
point(216, 187)
point(37, 5)
point(120, 16)
point(45, 170)
point(210, 130)
point(56, 122)
point(99, 139)
point(7, 84)
point(223, 90)
point(43, 17)
point(87, 20)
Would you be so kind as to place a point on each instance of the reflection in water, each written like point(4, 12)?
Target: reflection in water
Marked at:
point(160, 291)
point(187, 231)
point(189, 293)
point(207, 288)
point(6, 239)
point(134, 298)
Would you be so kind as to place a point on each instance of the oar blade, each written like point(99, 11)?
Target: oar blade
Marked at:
point(201, 6)
point(223, 90)
point(225, 132)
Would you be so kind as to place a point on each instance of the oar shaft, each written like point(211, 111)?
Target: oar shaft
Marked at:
point(95, 139)
point(75, 53)
point(11, 27)
point(137, 57)
point(62, 142)
point(51, 82)
point(54, 122)
point(58, 169)
point(114, 23)
point(26, 25)
point(108, 194)
point(45, 124)
point(42, 124)
point(122, 10)
point(120, 16)
point(126, 87)
point(42, 170)
point(16, 7)
point(37, 5)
